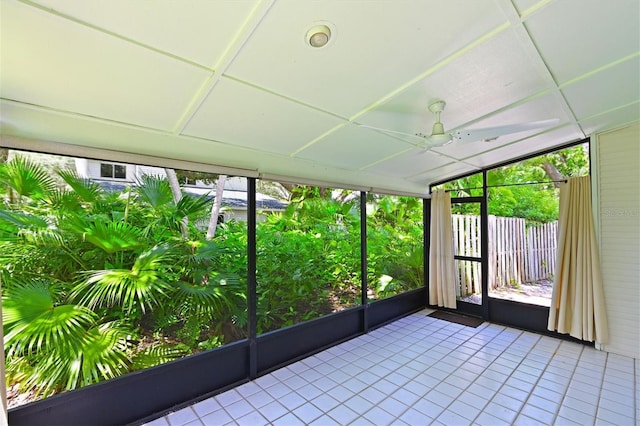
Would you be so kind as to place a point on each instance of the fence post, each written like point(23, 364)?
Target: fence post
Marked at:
point(491, 256)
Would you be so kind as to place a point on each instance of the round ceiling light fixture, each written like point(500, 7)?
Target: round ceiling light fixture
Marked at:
point(318, 36)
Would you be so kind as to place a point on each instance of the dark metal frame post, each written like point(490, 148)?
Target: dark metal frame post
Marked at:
point(363, 262)
point(251, 277)
point(426, 243)
point(484, 244)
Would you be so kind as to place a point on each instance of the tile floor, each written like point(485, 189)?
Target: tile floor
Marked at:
point(419, 370)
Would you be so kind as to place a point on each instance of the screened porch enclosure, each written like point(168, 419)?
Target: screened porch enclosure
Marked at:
point(376, 243)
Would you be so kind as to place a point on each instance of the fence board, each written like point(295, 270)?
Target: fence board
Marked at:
point(517, 253)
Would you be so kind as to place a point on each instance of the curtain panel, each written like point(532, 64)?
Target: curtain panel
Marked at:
point(442, 277)
point(577, 303)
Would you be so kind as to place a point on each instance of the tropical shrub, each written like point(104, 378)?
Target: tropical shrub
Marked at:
point(123, 289)
point(97, 283)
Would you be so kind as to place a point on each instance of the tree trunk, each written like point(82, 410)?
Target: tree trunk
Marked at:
point(4, 155)
point(553, 173)
point(215, 210)
point(177, 196)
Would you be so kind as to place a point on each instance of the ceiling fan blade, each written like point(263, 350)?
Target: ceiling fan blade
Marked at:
point(491, 133)
point(392, 131)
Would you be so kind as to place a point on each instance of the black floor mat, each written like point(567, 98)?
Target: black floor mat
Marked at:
point(457, 318)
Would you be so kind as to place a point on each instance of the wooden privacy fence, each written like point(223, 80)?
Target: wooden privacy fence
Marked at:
point(517, 254)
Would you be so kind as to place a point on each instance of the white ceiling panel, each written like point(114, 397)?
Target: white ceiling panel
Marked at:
point(613, 119)
point(237, 114)
point(352, 147)
point(414, 162)
point(62, 65)
point(233, 83)
point(52, 127)
point(438, 174)
point(541, 108)
point(577, 36)
point(592, 95)
point(535, 144)
point(197, 30)
point(523, 6)
point(471, 82)
point(382, 47)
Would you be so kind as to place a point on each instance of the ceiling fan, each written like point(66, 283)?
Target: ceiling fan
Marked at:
point(439, 137)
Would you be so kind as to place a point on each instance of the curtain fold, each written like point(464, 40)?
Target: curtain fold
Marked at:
point(577, 303)
point(441, 263)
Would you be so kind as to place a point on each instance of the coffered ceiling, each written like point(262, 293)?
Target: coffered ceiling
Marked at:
point(236, 83)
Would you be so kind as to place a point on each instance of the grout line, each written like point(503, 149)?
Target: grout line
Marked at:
point(393, 343)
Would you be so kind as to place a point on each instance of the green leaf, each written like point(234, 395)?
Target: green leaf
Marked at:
point(32, 321)
point(158, 354)
point(84, 188)
point(141, 286)
point(110, 236)
point(155, 191)
point(26, 178)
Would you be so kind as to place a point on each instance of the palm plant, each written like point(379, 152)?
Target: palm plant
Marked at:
point(54, 345)
point(24, 178)
point(140, 287)
point(118, 272)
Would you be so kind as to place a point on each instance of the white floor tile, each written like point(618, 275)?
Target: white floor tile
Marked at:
point(292, 401)
point(501, 412)
point(540, 415)
point(613, 417)
point(252, 419)
point(238, 409)
point(449, 417)
point(379, 417)
point(205, 407)
point(359, 405)
point(486, 419)
point(419, 370)
point(325, 403)
point(218, 417)
point(182, 417)
point(273, 411)
point(307, 412)
point(393, 406)
point(343, 414)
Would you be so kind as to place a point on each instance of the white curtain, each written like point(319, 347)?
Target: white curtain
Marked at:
point(577, 304)
point(442, 266)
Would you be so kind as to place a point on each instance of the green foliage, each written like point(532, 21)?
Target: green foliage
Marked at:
point(117, 268)
point(139, 288)
point(515, 191)
point(25, 178)
point(157, 354)
point(394, 245)
point(308, 260)
point(125, 289)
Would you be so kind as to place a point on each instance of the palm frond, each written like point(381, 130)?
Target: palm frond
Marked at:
point(142, 285)
point(155, 191)
point(214, 299)
point(203, 251)
point(26, 178)
point(33, 322)
point(191, 207)
point(101, 356)
point(158, 354)
point(20, 220)
point(63, 201)
point(85, 188)
point(110, 236)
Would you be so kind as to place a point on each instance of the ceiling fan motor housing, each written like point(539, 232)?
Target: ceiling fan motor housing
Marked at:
point(438, 128)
